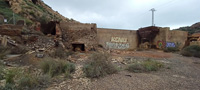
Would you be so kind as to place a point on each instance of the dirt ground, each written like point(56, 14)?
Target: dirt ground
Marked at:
point(179, 73)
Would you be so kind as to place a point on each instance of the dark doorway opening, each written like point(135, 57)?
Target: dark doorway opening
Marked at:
point(49, 28)
point(7, 2)
point(78, 47)
point(34, 1)
point(53, 32)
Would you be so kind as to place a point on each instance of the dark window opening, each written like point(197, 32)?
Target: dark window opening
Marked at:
point(78, 47)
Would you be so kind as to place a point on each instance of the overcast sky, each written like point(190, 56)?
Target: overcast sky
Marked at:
point(129, 14)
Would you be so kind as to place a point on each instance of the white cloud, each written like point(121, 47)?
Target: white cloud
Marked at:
point(129, 14)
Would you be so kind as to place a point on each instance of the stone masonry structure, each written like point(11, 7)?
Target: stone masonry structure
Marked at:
point(79, 36)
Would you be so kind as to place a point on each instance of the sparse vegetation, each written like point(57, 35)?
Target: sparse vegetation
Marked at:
point(189, 29)
point(171, 49)
point(10, 75)
point(193, 50)
point(98, 66)
point(8, 13)
point(1, 72)
point(145, 66)
point(27, 81)
point(61, 53)
point(54, 68)
point(3, 51)
point(20, 79)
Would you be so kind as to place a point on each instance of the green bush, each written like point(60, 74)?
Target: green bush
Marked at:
point(193, 50)
point(53, 67)
point(27, 81)
point(10, 75)
point(145, 66)
point(99, 65)
point(9, 86)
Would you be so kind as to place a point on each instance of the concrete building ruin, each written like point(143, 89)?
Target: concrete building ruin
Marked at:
point(87, 37)
point(148, 37)
point(194, 39)
point(79, 36)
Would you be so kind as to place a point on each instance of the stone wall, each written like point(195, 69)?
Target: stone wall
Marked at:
point(176, 38)
point(170, 38)
point(117, 39)
point(10, 30)
point(160, 39)
point(79, 33)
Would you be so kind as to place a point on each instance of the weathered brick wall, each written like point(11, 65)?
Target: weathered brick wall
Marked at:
point(117, 39)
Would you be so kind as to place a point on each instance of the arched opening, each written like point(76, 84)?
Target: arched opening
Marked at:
point(78, 47)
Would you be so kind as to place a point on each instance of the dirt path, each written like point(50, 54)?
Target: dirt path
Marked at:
point(183, 73)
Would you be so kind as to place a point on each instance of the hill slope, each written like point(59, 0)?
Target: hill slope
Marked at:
point(195, 28)
point(31, 11)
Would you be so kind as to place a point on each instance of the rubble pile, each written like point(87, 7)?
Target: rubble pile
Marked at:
point(40, 42)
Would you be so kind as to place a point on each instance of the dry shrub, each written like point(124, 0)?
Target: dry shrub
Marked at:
point(53, 67)
point(99, 65)
point(193, 50)
point(171, 49)
point(61, 53)
point(145, 66)
point(27, 80)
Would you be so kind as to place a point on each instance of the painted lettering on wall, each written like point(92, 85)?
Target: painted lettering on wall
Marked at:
point(170, 44)
point(119, 40)
point(117, 45)
point(161, 44)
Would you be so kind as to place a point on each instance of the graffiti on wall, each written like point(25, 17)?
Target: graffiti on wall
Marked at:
point(161, 44)
point(119, 40)
point(170, 44)
point(117, 45)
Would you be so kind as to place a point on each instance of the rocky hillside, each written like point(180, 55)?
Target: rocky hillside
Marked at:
point(32, 11)
point(195, 28)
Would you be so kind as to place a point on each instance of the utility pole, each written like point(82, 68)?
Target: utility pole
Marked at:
point(153, 10)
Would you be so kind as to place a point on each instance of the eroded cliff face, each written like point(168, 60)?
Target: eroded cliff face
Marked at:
point(34, 9)
point(35, 12)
